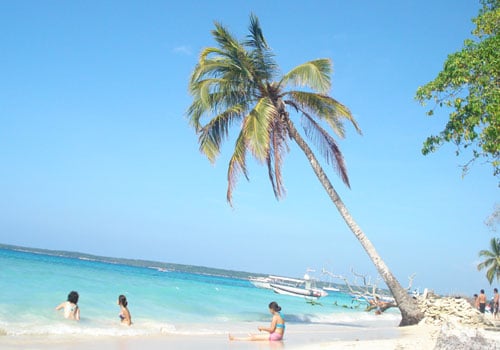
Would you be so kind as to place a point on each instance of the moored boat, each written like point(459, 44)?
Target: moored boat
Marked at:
point(261, 282)
point(298, 291)
point(289, 286)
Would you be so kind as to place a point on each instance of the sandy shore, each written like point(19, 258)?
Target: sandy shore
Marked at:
point(298, 337)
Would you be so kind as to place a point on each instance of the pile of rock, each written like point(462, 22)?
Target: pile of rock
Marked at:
point(452, 337)
point(438, 311)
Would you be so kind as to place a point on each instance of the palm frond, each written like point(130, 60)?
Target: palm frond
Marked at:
point(492, 260)
point(487, 254)
point(256, 37)
point(327, 146)
point(237, 165)
point(485, 264)
point(208, 51)
point(212, 134)
point(209, 144)
point(217, 95)
point(235, 53)
point(326, 108)
point(261, 54)
point(210, 68)
point(230, 61)
point(203, 91)
point(495, 246)
point(313, 74)
point(490, 274)
point(274, 160)
point(256, 128)
point(225, 39)
point(194, 113)
point(213, 97)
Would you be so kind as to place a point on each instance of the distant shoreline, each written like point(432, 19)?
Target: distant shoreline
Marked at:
point(203, 270)
point(184, 268)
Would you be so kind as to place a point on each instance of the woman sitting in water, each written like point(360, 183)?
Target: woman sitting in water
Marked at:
point(276, 330)
point(71, 309)
point(124, 313)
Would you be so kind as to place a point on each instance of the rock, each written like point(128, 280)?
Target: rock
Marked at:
point(438, 311)
point(453, 337)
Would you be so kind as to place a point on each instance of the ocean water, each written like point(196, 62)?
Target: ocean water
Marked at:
point(160, 301)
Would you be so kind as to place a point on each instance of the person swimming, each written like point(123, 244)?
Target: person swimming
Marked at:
point(71, 309)
point(276, 330)
point(124, 315)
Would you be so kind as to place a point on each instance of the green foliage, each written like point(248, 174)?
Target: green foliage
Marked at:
point(469, 85)
point(232, 84)
point(492, 260)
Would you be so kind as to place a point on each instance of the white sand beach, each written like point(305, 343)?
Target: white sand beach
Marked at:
point(297, 338)
point(312, 339)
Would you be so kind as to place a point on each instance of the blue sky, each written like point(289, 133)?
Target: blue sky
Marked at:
point(97, 155)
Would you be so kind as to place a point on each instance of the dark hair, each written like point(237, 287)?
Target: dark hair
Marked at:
point(482, 291)
point(122, 299)
point(495, 290)
point(73, 297)
point(274, 306)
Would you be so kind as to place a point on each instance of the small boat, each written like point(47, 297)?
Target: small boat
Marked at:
point(331, 289)
point(289, 286)
point(299, 291)
point(261, 282)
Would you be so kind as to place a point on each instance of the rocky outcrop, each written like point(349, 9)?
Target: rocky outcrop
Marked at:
point(453, 337)
point(461, 326)
point(438, 311)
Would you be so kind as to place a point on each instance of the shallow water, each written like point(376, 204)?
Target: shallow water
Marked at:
point(161, 302)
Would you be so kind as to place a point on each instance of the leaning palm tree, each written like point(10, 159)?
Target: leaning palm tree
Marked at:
point(491, 260)
point(235, 84)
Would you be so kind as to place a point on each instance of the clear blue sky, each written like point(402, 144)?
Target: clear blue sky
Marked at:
point(96, 154)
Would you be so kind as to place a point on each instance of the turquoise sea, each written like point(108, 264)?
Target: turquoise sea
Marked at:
point(162, 300)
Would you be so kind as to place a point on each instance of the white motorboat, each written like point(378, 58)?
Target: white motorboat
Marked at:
point(289, 286)
point(261, 282)
point(299, 291)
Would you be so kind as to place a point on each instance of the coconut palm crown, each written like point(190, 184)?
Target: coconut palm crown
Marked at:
point(235, 83)
point(491, 260)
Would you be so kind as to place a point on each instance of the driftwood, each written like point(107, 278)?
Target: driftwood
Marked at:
point(380, 307)
point(368, 290)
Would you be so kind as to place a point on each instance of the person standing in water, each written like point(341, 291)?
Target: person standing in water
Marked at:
point(276, 330)
point(71, 309)
point(124, 313)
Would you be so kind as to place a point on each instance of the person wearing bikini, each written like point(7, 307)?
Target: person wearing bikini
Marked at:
point(70, 307)
point(124, 315)
point(275, 331)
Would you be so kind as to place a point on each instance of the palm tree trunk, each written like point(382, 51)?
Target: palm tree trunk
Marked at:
point(410, 312)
